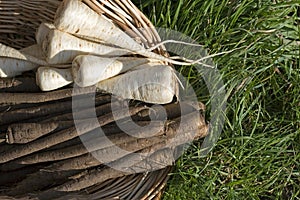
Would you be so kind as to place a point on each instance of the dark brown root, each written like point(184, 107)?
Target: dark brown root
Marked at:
point(94, 141)
point(96, 175)
point(24, 133)
point(157, 156)
point(107, 155)
point(74, 147)
point(87, 112)
point(68, 134)
point(12, 177)
point(154, 153)
point(20, 84)
point(168, 111)
point(18, 98)
point(49, 111)
point(39, 181)
point(125, 142)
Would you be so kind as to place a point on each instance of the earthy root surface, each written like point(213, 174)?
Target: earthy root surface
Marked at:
point(50, 150)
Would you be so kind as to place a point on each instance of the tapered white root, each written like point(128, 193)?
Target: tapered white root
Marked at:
point(85, 22)
point(88, 70)
point(155, 84)
point(60, 47)
point(14, 62)
point(89, 24)
point(35, 51)
point(49, 78)
point(11, 67)
point(9, 52)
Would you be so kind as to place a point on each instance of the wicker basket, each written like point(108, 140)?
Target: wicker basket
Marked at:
point(21, 101)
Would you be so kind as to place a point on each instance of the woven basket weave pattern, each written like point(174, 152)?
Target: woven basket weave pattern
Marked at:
point(20, 19)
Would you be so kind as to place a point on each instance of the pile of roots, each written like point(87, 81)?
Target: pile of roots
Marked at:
point(51, 149)
point(81, 143)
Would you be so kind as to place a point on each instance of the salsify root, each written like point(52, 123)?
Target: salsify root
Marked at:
point(67, 134)
point(18, 98)
point(94, 176)
point(11, 177)
point(24, 133)
point(38, 181)
point(49, 111)
point(153, 153)
point(18, 84)
point(155, 156)
point(88, 160)
point(95, 141)
point(163, 154)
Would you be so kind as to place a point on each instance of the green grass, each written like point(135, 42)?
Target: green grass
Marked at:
point(258, 153)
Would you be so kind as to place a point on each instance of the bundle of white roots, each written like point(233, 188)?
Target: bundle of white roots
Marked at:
point(85, 48)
